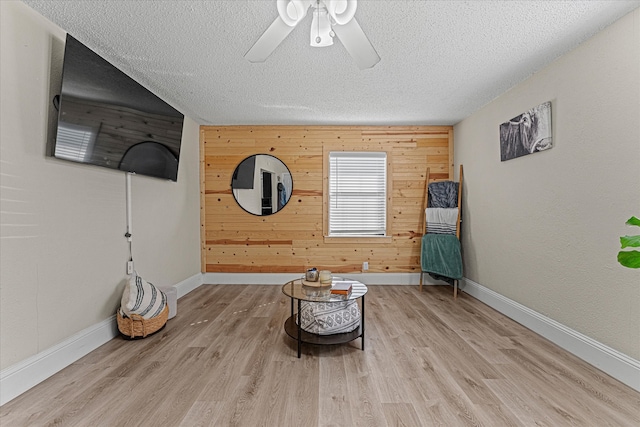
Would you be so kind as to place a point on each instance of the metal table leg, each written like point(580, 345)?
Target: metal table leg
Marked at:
point(299, 328)
point(362, 323)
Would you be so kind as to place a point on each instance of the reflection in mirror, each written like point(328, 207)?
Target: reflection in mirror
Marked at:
point(261, 184)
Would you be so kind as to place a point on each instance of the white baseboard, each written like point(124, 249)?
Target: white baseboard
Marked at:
point(618, 365)
point(189, 284)
point(282, 278)
point(20, 377)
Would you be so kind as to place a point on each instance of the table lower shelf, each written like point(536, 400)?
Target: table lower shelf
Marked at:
point(291, 328)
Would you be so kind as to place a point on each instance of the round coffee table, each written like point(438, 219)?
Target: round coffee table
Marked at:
point(294, 290)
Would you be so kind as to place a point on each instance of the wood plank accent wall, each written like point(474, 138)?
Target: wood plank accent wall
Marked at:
point(291, 240)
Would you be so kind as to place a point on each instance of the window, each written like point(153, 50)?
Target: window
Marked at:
point(357, 202)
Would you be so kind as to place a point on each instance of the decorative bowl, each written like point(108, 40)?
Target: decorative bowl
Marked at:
point(311, 275)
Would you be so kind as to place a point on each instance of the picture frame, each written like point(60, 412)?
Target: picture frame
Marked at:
point(526, 133)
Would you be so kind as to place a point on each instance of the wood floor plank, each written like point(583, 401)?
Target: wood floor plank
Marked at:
point(364, 400)
point(400, 414)
point(334, 398)
point(521, 401)
point(303, 399)
point(275, 408)
point(436, 413)
point(201, 414)
point(429, 360)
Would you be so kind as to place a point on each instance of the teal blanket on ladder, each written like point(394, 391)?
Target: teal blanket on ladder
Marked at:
point(441, 255)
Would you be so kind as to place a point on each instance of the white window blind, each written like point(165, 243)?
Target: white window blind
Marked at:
point(74, 142)
point(357, 193)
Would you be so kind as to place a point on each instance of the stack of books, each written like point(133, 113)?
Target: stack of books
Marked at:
point(342, 289)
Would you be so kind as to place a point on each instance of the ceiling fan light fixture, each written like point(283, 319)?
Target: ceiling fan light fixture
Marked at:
point(331, 18)
point(341, 11)
point(292, 11)
point(321, 29)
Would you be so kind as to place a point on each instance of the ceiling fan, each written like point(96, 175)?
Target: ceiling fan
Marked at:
point(330, 18)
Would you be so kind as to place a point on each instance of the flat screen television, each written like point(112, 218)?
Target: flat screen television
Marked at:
point(105, 118)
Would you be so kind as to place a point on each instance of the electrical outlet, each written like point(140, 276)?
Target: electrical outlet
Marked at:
point(129, 267)
point(365, 266)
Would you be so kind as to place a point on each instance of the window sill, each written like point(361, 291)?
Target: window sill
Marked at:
point(364, 239)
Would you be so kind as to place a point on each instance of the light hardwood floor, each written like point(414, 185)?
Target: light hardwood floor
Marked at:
point(429, 360)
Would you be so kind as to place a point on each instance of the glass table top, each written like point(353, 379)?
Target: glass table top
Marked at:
point(296, 289)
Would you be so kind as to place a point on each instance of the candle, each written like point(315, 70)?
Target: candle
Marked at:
point(325, 277)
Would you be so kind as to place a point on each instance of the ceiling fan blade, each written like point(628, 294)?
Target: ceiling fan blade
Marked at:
point(269, 41)
point(357, 44)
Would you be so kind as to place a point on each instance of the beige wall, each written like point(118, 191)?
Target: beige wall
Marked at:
point(543, 229)
point(63, 254)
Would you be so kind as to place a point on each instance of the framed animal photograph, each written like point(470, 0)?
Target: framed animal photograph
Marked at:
point(526, 133)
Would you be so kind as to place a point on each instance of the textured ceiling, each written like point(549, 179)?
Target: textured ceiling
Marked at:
point(441, 60)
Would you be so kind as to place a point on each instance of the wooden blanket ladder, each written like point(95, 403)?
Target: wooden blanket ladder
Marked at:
point(424, 219)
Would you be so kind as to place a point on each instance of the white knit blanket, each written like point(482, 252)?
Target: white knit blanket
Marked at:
point(442, 220)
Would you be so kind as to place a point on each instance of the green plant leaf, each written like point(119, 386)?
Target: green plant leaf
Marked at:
point(630, 242)
point(630, 259)
point(633, 221)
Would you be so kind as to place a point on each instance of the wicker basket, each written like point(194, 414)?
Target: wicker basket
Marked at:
point(138, 327)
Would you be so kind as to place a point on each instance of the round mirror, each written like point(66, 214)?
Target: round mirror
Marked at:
point(261, 184)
